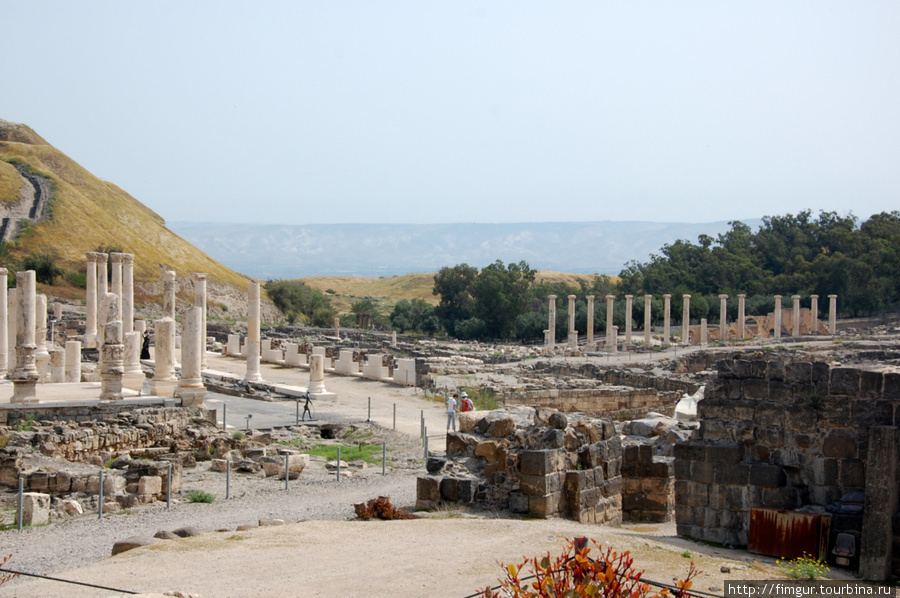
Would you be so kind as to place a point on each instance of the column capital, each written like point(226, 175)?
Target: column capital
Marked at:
point(778, 296)
point(685, 296)
point(199, 275)
point(667, 296)
point(795, 297)
point(116, 258)
point(629, 296)
point(723, 296)
point(168, 275)
point(93, 256)
point(742, 295)
point(101, 257)
point(127, 258)
point(609, 297)
point(648, 296)
point(589, 297)
point(813, 296)
point(551, 297)
point(3, 271)
point(832, 296)
point(572, 297)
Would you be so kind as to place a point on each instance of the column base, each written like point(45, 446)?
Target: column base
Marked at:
point(322, 395)
point(134, 380)
point(163, 388)
point(191, 396)
point(24, 392)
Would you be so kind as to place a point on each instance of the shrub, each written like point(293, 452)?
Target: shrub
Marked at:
point(237, 435)
point(574, 573)
point(44, 266)
point(6, 576)
point(76, 279)
point(381, 508)
point(804, 567)
point(201, 496)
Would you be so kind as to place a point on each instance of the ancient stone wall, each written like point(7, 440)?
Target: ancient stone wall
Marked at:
point(648, 485)
point(617, 377)
point(780, 435)
point(618, 403)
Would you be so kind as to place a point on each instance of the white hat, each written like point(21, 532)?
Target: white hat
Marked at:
point(464, 395)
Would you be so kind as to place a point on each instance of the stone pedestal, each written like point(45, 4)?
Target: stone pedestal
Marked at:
point(57, 366)
point(168, 279)
point(590, 319)
point(393, 338)
point(73, 361)
point(4, 328)
point(648, 307)
point(723, 319)
point(742, 316)
point(628, 307)
point(200, 301)
point(41, 354)
point(686, 320)
point(25, 376)
point(551, 324)
point(614, 347)
point(112, 353)
point(190, 387)
point(777, 333)
point(573, 336)
point(667, 320)
point(133, 378)
point(832, 314)
point(337, 328)
point(316, 374)
point(164, 381)
point(233, 346)
point(253, 344)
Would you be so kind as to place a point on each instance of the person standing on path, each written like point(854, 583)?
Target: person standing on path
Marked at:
point(451, 413)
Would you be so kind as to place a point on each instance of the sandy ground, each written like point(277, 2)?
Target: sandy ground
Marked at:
point(450, 553)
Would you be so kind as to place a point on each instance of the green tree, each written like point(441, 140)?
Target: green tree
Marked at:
point(454, 286)
point(501, 295)
point(297, 300)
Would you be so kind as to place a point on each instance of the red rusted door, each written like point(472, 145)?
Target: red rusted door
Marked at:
point(788, 534)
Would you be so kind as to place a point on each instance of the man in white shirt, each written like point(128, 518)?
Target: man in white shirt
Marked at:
point(451, 413)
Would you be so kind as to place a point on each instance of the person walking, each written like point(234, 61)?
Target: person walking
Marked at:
point(451, 413)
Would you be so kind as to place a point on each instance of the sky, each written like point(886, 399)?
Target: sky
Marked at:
point(466, 111)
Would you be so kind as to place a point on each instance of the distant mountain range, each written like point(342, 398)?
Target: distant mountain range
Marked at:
point(272, 251)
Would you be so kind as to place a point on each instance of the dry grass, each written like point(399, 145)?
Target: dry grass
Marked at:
point(88, 213)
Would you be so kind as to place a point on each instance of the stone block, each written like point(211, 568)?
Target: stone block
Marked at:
point(840, 444)
point(131, 543)
point(844, 381)
point(540, 485)
point(871, 412)
point(662, 467)
point(834, 412)
point(518, 502)
point(544, 506)
point(852, 473)
point(779, 391)
point(726, 452)
point(726, 368)
point(716, 388)
point(458, 443)
point(613, 468)
point(611, 486)
point(692, 450)
point(39, 481)
point(488, 449)
point(758, 369)
point(775, 370)
point(702, 472)
point(788, 457)
point(798, 372)
point(731, 474)
point(449, 489)
point(150, 485)
point(767, 476)
point(682, 469)
point(781, 498)
point(714, 430)
point(754, 389)
point(578, 481)
point(60, 483)
point(800, 418)
point(769, 415)
point(891, 388)
point(35, 508)
point(742, 368)
point(428, 488)
point(870, 384)
point(465, 489)
point(502, 428)
point(540, 462)
point(803, 441)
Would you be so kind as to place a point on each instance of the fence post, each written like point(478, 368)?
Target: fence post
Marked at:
point(395, 416)
point(224, 417)
point(297, 421)
point(426, 442)
point(339, 464)
point(369, 416)
point(383, 457)
point(169, 488)
point(422, 424)
point(21, 499)
point(227, 478)
point(100, 502)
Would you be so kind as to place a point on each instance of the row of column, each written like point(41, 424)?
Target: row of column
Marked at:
point(612, 331)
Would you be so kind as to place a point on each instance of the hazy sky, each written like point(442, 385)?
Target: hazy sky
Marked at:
point(429, 112)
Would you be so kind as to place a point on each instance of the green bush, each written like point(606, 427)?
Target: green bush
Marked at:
point(201, 496)
point(76, 279)
point(44, 266)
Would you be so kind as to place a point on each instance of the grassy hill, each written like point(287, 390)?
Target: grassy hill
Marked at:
point(385, 292)
point(87, 213)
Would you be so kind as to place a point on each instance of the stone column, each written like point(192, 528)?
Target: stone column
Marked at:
point(316, 374)
point(90, 301)
point(25, 376)
point(73, 361)
point(164, 380)
point(611, 339)
point(777, 334)
point(133, 378)
point(795, 316)
point(704, 332)
point(393, 338)
point(116, 282)
point(628, 307)
point(667, 320)
point(200, 301)
point(686, 320)
point(832, 314)
point(127, 292)
point(615, 334)
point(112, 353)
point(814, 313)
point(337, 327)
point(102, 279)
point(190, 387)
point(41, 354)
point(742, 300)
point(551, 325)
point(590, 319)
point(168, 279)
point(648, 302)
point(253, 374)
point(12, 310)
point(57, 366)
point(4, 328)
point(573, 335)
point(723, 318)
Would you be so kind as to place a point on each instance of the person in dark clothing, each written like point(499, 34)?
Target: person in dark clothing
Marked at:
point(145, 346)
